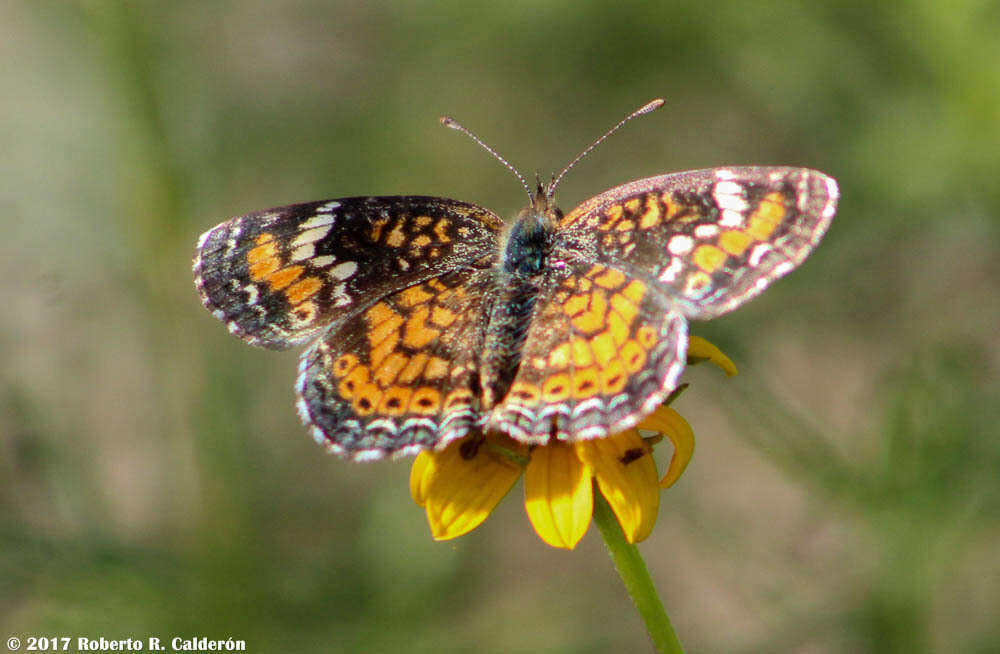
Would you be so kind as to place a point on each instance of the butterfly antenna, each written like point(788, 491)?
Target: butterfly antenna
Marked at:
point(448, 121)
point(652, 105)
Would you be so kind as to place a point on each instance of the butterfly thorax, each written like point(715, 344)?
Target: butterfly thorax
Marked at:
point(530, 238)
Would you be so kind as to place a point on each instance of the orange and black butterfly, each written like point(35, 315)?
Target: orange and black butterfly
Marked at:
point(429, 319)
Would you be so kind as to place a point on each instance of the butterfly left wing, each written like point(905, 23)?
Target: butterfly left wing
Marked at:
point(279, 277)
point(711, 238)
point(402, 375)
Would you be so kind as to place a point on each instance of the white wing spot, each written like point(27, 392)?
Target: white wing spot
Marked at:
point(340, 297)
point(409, 450)
point(706, 231)
point(234, 236)
point(328, 207)
point(304, 252)
point(728, 188)
point(592, 432)
point(731, 218)
point(344, 271)
point(783, 268)
point(670, 273)
point(322, 220)
point(680, 244)
point(758, 253)
point(311, 235)
point(833, 194)
point(729, 195)
point(732, 202)
point(802, 195)
point(383, 424)
point(587, 405)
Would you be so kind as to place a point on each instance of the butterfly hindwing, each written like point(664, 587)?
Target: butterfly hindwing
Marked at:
point(402, 374)
point(602, 350)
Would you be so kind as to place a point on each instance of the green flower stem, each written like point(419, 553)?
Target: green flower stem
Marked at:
point(633, 572)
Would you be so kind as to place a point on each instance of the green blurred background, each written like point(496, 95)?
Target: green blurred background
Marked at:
point(155, 480)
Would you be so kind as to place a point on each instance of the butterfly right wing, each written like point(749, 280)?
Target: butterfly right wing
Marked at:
point(602, 350)
point(712, 238)
point(279, 277)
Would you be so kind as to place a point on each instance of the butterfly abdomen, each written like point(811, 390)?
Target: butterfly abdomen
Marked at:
point(505, 335)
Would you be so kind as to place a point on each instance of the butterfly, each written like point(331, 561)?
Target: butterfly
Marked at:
point(429, 319)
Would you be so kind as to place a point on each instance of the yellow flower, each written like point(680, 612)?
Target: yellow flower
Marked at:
point(460, 485)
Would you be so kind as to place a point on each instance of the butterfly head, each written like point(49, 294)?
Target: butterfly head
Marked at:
point(543, 203)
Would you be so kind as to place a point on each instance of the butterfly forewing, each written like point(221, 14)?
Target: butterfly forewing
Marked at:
point(713, 238)
point(280, 277)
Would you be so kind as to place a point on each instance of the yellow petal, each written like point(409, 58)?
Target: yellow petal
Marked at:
point(558, 495)
point(670, 423)
point(626, 476)
point(460, 493)
point(419, 477)
point(700, 350)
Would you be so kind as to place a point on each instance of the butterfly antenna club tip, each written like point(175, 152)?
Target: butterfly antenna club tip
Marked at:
point(652, 105)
